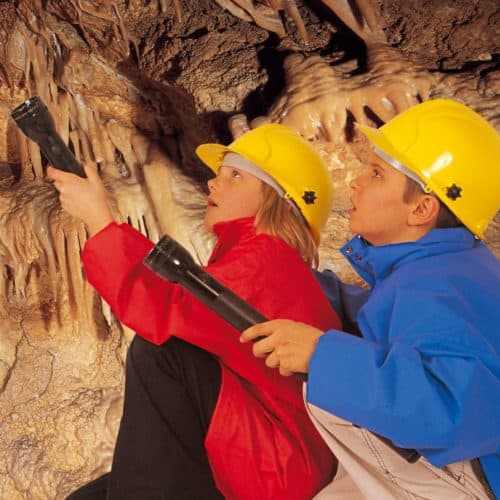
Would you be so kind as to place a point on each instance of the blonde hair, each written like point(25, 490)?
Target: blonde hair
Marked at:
point(279, 218)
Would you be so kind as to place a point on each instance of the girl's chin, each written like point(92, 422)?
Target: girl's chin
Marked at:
point(208, 225)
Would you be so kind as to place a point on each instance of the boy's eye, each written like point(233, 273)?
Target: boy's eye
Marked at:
point(376, 172)
point(236, 173)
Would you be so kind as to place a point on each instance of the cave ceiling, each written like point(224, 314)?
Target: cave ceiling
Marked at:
point(134, 86)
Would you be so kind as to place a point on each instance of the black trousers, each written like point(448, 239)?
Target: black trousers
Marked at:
point(170, 396)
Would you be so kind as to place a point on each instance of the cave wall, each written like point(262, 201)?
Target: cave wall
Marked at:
point(134, 86)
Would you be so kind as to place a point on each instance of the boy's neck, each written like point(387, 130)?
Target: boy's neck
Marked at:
point(410, 234)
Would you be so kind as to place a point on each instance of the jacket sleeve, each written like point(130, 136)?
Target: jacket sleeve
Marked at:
point(433, 386)
point(113, 263)
point(346, 299)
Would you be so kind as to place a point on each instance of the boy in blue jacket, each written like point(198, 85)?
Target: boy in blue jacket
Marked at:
point(424, 374)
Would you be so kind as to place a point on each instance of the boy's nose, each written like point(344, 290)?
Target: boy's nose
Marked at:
point(211, 184)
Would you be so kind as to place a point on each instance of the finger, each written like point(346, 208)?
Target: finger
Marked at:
point(272, 361)
point(52, 172)
point(60, 175)
point(90, 171)
point(285, 372)
point(263, 347)
point(259, 330)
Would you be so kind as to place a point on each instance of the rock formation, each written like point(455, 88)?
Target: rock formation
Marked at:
point(134, 86)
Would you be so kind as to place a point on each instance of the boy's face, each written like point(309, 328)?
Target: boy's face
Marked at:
point(379, 214)
point(233, 194)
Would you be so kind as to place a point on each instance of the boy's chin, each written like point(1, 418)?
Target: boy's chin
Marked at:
point(352, 227)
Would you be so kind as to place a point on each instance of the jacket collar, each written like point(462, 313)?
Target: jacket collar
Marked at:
point(230, 233)
point(375, 263)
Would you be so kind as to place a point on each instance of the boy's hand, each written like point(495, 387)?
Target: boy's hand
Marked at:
point(288, 345)
point(83, 198)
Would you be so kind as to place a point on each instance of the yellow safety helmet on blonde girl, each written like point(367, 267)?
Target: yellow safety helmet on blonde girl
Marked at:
point(290, 160)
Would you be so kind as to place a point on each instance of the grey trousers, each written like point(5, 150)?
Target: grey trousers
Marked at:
point(370, 469)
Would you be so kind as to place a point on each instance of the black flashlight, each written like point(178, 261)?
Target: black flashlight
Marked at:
point(36, 122)
point(172, 261)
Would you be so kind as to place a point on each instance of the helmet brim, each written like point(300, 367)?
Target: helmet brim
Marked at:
point(377, 139)
point(212, 155)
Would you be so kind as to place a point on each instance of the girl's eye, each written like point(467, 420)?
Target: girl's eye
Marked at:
point(376, 172)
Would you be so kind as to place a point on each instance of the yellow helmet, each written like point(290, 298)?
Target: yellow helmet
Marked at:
point(454, 152)
point(290, 160)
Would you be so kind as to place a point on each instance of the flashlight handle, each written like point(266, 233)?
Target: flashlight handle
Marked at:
point(59, 155)
point(220, 299)
point(170, 260)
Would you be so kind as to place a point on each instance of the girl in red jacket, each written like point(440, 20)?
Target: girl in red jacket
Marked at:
point(203, 418)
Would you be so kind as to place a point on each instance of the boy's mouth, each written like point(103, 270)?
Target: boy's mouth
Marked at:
point(352, 209)
point(211, 203)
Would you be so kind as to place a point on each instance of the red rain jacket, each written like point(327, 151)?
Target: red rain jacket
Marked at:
point(261, 443)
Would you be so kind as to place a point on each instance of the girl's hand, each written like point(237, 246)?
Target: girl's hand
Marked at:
point(83, 198)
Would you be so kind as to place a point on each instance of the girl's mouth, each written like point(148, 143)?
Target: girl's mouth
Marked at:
point(211, 203)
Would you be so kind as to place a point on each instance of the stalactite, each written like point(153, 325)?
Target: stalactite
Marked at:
point(178, 10)
point(94, 137)
point(63, 117)
point(264, 16)
point(290, 7)
point(120, 137)
point(24, 156)
point(318, 97)
point(106, 143)
point(365, 25)
point(238, 125)
point(235, 9)
point(36, 159)
point(74, 137)
point(60, 247)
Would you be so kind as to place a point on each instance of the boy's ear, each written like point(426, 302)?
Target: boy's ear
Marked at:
point(425, 211)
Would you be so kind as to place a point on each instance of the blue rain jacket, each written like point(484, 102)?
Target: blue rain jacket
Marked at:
point(426, 371)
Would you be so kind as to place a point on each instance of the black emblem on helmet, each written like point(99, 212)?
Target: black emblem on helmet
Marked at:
point(309, 197)
point(453, 192)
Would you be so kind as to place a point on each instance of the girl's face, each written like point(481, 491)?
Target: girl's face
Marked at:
point(233, 194)
point(379, 213)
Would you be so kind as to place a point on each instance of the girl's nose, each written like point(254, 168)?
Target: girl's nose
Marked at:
point(357, 182)
point(211, 184)
point(354, 184)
